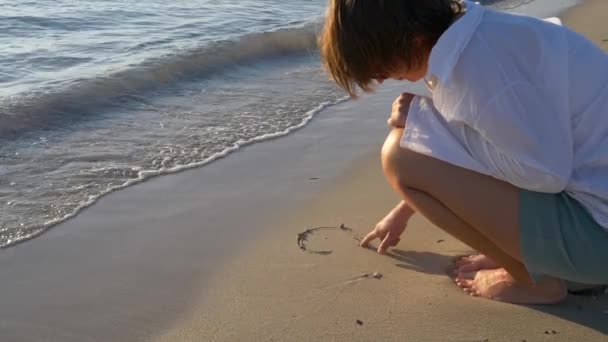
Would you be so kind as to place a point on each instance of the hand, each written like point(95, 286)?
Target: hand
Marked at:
point(390, 228)
point(401, 106)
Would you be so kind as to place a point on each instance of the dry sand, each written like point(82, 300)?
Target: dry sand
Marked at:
point(212, 254)
point(277, 292)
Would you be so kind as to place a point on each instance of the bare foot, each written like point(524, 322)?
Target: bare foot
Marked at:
point(499, 285)
point(474, 263)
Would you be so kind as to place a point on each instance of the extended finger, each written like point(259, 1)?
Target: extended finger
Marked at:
point(369, 237)
point(389, 241)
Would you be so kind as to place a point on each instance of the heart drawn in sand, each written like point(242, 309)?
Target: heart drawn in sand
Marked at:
point(303, 238)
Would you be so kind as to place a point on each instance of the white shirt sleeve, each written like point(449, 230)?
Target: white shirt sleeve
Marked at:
point(529, 140)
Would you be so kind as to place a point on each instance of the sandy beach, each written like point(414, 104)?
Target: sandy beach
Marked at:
point(215, 254)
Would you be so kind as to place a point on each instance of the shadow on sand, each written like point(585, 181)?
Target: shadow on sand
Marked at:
point(587, 308)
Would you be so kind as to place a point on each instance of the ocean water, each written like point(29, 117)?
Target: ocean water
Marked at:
point(98, 95)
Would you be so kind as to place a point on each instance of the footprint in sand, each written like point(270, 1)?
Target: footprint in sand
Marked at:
point(315, 240)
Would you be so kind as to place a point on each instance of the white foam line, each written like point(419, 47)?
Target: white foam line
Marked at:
point(147, 174)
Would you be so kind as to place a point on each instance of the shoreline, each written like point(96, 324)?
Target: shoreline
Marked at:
point(35, 227)
point(211, 253)
point(131, 265)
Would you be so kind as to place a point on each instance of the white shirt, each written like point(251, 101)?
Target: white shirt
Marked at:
point(520, 99)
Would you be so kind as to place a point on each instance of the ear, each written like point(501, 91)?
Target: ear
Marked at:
point(418, 41)
point(421, 43)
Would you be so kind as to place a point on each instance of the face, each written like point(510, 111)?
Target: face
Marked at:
point(400, 72)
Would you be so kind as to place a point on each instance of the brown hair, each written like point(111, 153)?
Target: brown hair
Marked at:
point(363, 37)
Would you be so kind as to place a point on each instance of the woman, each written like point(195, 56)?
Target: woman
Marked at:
point(510, 155)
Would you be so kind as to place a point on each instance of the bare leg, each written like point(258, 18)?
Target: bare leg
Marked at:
point(422, 181)
point(497, 284)
point(445, 219)
point(478, 210)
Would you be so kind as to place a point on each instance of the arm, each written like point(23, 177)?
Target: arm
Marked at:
point(401, 213)
point(390, 228)
point(400, 109)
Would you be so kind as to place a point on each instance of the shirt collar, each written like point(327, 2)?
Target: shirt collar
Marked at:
point(452, 42)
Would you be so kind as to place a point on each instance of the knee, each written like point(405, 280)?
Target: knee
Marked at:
point(394, 160)
point(402, 167)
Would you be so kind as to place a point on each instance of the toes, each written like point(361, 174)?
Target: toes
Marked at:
point(464, 260)
point(468, 291)
point(456, 267)
point(464, 283)
point(461, 261)
point(451, 269)
point(467, 268)
point(463, 274)
point(468, 287)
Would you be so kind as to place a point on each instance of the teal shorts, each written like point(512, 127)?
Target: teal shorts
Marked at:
point(559, 238)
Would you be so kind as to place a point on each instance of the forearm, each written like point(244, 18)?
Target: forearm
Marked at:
point(402, 212)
